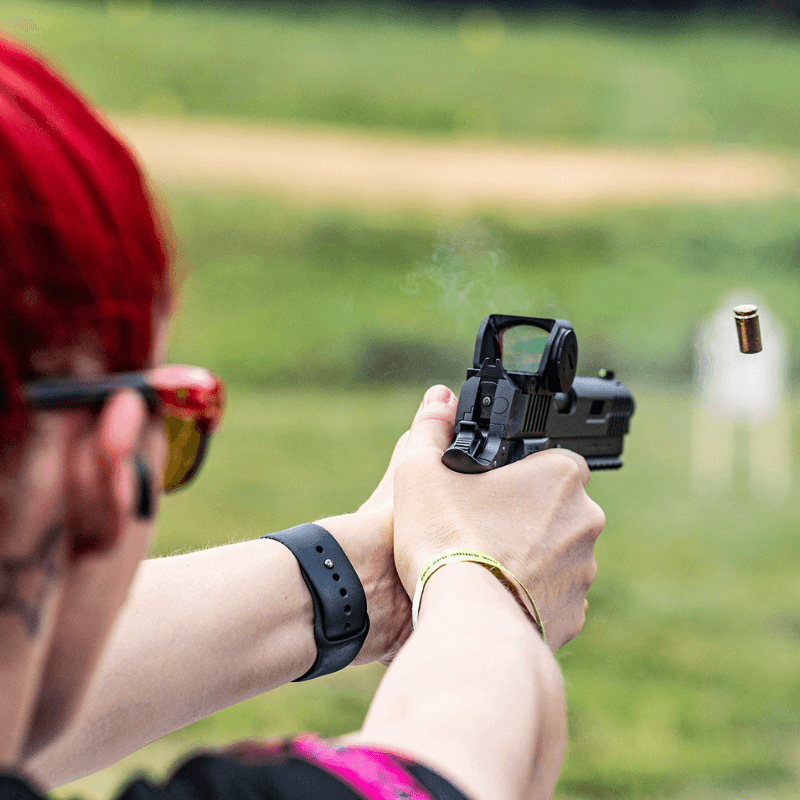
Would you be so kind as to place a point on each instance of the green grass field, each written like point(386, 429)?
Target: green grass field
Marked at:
point(334, 297)
point(327, 324)
point(542, 77)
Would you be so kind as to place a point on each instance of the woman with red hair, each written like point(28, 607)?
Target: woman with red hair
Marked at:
point(102, 652)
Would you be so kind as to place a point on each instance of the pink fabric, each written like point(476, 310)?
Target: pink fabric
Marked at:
point(374, 773)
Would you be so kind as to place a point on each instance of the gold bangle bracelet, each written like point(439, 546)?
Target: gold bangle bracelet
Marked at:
point(475, 556)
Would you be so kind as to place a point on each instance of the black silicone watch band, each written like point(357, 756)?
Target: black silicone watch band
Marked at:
point(341, 622)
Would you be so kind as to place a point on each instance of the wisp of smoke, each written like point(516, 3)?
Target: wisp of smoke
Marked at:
point(465, 279)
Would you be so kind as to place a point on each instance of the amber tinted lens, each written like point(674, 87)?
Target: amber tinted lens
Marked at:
point(186, 445)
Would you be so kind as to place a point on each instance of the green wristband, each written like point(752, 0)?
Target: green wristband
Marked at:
point(475, 556)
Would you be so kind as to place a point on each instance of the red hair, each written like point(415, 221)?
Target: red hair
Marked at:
point(83, 254)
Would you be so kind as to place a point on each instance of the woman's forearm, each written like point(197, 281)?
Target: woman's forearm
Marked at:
point(200, 632)
point(205, 630)
point(474, 692)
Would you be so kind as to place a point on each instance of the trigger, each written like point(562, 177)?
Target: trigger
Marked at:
point(468, 438)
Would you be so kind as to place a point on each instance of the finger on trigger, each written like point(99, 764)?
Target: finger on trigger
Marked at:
point(433, 422)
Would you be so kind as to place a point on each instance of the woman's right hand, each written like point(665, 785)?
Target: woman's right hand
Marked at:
point(533, 516)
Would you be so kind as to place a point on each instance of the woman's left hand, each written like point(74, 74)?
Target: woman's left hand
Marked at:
point(366, 536)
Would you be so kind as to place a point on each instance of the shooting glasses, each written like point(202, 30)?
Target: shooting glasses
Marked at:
point(190, 399)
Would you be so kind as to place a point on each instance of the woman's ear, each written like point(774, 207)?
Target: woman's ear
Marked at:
point(107, 479)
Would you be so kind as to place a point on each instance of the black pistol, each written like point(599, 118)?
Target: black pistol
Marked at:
point(522, 396)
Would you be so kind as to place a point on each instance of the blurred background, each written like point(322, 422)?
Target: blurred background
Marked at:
point(353, 187)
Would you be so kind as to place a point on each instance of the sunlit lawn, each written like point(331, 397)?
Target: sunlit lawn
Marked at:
point(279, 296)
point(518, 76)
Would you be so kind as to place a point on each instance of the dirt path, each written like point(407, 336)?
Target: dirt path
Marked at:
point(386, 172)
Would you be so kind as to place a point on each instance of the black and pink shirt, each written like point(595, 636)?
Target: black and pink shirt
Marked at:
point(302, 768)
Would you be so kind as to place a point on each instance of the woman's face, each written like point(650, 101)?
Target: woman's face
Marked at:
point(95, 585)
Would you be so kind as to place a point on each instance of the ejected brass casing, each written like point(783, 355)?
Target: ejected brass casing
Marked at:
point(748, 328)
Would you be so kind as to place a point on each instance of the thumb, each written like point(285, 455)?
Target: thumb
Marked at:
point(433, 423)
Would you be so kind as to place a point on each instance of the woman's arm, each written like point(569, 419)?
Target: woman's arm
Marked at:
point(474, 693)
point(208, 629)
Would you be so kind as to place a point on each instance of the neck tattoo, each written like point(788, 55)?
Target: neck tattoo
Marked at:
point(25, 582)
